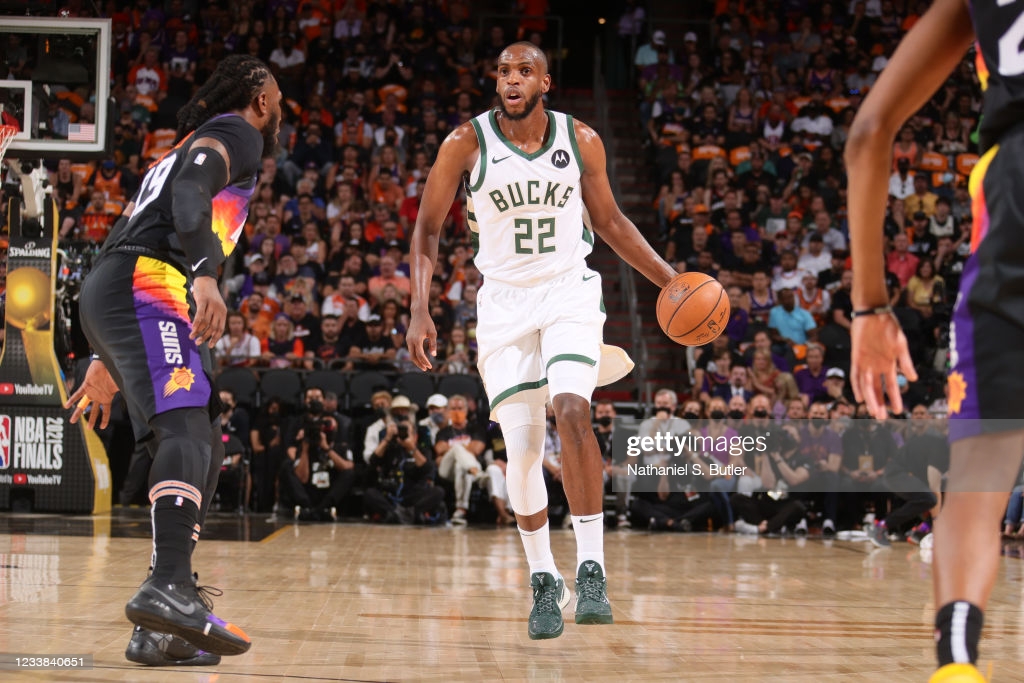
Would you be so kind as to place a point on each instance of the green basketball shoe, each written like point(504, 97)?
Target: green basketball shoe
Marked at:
point(592, 606)
point(550, 596)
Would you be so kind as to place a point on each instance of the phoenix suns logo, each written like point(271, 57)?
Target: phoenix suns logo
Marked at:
point(181, 378)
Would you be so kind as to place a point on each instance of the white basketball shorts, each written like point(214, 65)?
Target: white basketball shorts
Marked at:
point(524, 332)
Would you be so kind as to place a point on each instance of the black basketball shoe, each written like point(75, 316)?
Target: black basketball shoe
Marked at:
point(181, 609)
point(163, 649)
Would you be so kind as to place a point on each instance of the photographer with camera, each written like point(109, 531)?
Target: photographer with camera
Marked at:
point(400, 478)
point(316, 477)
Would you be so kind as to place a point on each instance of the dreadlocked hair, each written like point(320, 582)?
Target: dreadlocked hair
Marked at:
point(231, 87)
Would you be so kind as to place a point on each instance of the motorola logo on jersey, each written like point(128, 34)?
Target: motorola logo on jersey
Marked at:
point(560, 158)
point(170, 342)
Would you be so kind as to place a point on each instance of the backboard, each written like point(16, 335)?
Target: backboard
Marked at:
point(55, 86)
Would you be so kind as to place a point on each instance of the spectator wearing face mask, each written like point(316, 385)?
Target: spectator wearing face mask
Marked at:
point(720, 434)
point(435, 418)
point(663, 422)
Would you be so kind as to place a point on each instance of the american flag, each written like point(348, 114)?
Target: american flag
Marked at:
point(82, 132)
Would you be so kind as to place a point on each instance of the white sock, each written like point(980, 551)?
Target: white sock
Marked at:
point(537, 545)
point(589, 539)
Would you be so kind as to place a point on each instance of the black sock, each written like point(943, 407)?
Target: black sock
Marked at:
point(957, 632)
point(174, 520)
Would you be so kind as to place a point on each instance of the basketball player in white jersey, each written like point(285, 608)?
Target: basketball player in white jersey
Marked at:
point(529, 173)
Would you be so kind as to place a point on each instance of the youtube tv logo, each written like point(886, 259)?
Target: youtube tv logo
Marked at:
point(20, 479)
point(6, 389)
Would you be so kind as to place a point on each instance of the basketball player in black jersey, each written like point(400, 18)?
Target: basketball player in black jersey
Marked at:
point(986, 389)
point(152, 311)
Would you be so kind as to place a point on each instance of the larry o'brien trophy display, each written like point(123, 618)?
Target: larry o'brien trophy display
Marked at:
point(46, 463)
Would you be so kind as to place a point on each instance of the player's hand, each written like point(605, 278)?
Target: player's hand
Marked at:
point(95, 395)
point(878, 348)
point(421, 328)
point(211, 311)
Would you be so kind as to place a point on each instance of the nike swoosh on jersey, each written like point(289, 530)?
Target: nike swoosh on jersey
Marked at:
point(184, 608)
point(198, 263)
point(496, 160)
point(585, 278)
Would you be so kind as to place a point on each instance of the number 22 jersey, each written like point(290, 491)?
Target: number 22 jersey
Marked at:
point(527, 209)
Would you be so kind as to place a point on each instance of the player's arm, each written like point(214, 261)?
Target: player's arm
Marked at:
point(921, 63)
point(456, 156)
point(207, 169)
point(607, 219)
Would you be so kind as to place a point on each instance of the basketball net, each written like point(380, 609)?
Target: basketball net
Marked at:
point(7, 134)
point(33, 183)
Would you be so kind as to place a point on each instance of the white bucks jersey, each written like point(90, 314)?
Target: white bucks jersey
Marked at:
point(527, 209)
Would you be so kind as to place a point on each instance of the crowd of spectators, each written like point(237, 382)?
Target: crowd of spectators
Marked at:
point(745, 122)
point(746, 125)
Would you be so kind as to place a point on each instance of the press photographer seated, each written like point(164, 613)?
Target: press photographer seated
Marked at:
point(400, 478)
point(316, 477)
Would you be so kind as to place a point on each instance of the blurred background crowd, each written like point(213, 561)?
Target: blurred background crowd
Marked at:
point(742, 110)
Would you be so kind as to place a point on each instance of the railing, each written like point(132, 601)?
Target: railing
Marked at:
point(627, 281)
point(506, 20)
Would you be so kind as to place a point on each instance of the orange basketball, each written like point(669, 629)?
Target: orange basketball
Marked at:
point(693, 309)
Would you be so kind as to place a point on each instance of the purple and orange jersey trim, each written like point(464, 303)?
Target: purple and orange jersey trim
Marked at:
point(174, 362)
point(979, 210)
point(980, 66)
point(161, 286)
point(230, 205)
point(230, 211)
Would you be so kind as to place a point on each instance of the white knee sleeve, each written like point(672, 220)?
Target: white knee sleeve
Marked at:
point(572, 377)
point(522, 427)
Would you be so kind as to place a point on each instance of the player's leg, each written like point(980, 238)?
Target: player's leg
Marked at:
point(986, 399)
point(141, 307)
point(967, 541)
point(582, 477)
point(522, 424)
point(109, 320)
point(571, 351)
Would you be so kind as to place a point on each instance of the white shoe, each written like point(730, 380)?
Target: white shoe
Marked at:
point(459, 517)
point(928, 542)
point(744, 527)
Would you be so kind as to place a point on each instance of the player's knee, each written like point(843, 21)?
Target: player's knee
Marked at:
point(183, 445)
point(572, 413)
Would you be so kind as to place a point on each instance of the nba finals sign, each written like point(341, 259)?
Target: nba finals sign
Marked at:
point(56, 466)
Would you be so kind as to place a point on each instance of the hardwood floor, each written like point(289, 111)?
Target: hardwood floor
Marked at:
point(354, 602)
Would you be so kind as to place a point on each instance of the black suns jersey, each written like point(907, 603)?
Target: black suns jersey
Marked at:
point(999, 34)
point(152, 222)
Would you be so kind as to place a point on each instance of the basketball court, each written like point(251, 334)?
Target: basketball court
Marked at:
point(356, 602)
